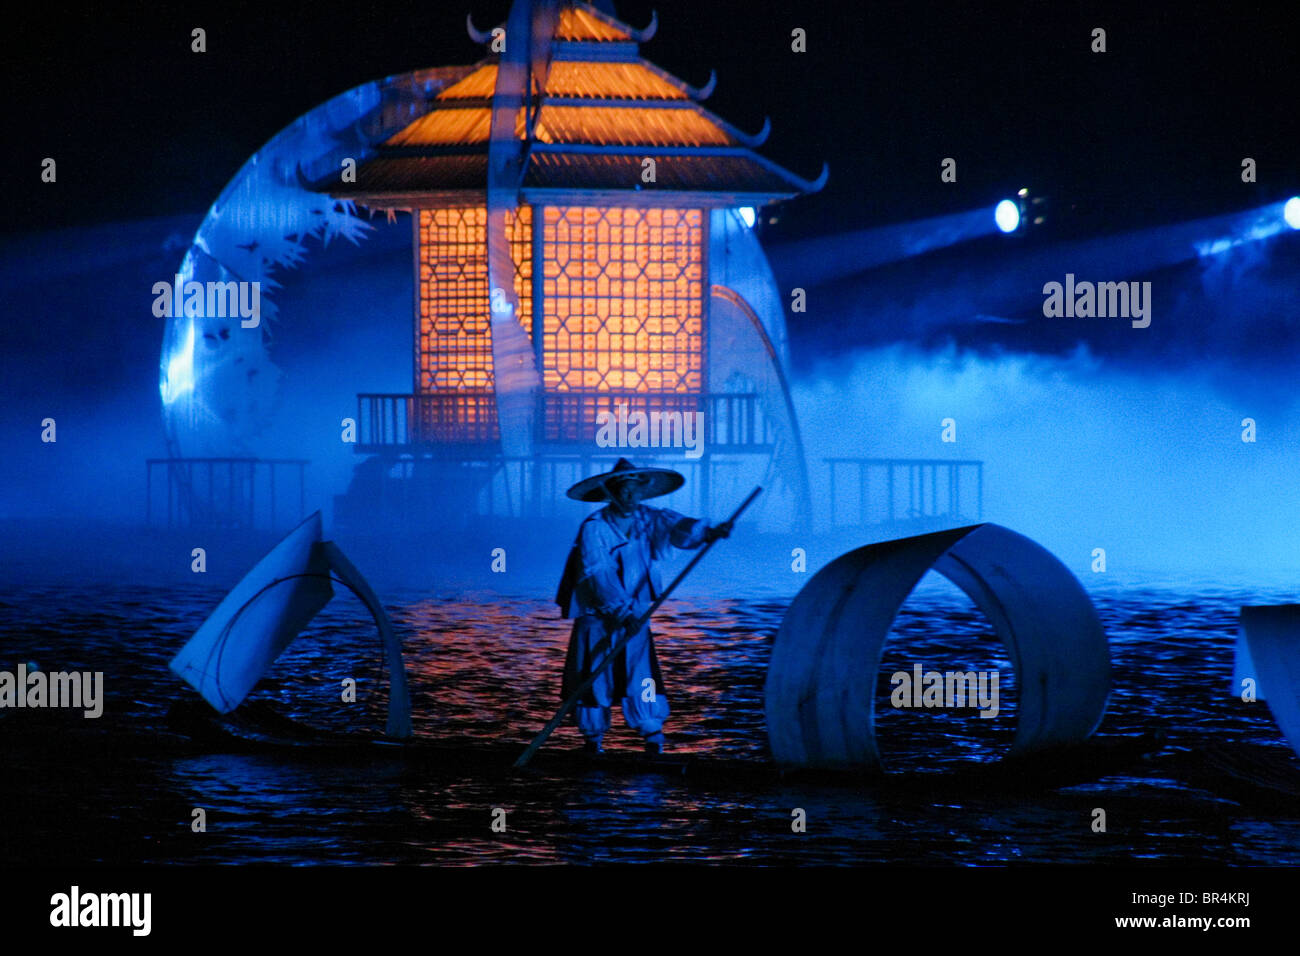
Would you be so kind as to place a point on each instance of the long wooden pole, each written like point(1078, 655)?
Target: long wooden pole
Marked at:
point(628, 634)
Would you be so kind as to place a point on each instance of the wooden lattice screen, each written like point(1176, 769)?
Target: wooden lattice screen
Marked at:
point(623, 303)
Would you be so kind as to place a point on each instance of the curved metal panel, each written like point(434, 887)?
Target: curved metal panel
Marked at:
point(742, 357)
point(257, 620)
point(821, 678)
point(737, 261)
point(1272, 640)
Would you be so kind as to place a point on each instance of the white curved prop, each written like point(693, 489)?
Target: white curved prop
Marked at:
point(265, 612)
point(257, 620)
point(822, 676)
point(742, 358)
point(1268, 650)
point(218, 382)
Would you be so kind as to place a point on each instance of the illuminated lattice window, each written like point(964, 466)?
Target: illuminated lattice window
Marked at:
point(455, 343)
point(623, 302)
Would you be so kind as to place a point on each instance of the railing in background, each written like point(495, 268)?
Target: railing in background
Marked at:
point(881, 480)
point(233, 493)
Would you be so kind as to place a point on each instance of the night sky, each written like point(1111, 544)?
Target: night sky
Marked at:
point(1152, 130)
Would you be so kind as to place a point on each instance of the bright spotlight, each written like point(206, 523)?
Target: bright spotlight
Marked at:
point(747, 215)
point(1291, 212)
point(1007, 216)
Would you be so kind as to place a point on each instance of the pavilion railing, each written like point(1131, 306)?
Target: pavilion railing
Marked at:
point(462, 417)
point(719, 421)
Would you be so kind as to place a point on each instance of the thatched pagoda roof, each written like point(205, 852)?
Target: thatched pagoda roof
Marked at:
point(601, 110)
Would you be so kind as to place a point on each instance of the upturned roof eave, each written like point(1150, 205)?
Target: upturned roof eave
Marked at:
point(740, 145)
point(560, 196)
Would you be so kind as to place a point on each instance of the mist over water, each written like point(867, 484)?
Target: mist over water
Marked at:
point(1093, 434)
point(84, 350)
point(1080, 453)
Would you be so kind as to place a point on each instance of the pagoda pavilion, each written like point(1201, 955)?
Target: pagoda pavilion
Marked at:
point(584, 262)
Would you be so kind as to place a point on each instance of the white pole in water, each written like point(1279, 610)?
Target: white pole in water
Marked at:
point(628, 634)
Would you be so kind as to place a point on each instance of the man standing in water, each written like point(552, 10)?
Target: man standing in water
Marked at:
point(610, 580)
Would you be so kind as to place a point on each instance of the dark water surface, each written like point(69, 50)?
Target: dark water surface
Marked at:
point(485, 667)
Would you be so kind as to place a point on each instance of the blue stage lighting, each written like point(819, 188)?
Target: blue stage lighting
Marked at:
point(1291, 212)
point(748, 214)
point(1007, 215)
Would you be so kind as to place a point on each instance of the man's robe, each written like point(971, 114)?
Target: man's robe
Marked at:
point(609, 576)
